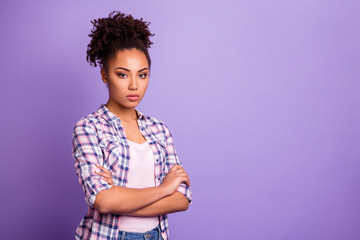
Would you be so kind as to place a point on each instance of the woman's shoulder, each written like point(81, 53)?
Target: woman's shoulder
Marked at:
point(158, 127)
point(91, 119)
point(154, 121)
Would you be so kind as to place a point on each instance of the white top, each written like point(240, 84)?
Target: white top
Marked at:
point(141, 174)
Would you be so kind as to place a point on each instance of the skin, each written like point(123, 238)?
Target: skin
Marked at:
point(128, 73)
point(121, 83)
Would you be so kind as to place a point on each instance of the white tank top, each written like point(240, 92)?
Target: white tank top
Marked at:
point(140, 175)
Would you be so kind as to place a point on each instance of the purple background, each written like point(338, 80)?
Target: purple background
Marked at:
point(262, 98)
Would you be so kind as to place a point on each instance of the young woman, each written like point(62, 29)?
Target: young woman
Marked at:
point(126, 161)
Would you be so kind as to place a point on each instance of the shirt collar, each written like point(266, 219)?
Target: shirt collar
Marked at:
point(111, 117)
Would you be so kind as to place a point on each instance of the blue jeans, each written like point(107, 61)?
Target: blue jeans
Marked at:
point(154, 234)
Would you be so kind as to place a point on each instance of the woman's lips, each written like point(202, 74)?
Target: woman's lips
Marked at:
point(133, 97)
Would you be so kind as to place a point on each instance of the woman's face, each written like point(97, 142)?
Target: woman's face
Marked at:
point(128, 74)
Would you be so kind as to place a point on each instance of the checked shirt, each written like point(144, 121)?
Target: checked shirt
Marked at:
point(99, 138)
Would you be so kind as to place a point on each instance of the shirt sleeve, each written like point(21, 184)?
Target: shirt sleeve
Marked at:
point(171, 160)
point(86, 153)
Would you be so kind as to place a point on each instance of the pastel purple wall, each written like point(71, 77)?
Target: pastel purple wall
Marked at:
point(262, 98)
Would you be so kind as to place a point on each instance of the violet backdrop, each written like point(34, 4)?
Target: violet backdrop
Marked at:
point(262, 99)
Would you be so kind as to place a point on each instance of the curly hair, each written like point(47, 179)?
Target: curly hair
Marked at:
point(114, 33)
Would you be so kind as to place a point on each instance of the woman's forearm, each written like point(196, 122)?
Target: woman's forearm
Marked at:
point(173, 203)
point(123, 200)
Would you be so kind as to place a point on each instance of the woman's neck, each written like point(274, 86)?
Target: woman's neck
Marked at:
point(125, 114)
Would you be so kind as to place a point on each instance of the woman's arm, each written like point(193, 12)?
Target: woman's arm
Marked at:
point(176, 202)
point(171, 159)
point(123, 200)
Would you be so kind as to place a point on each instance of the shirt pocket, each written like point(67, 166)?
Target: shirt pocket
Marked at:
point(111, 152)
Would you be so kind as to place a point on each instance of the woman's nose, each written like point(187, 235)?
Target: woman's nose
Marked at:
point(133, 83)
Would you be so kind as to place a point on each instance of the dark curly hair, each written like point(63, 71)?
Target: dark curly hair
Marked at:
point(117, 32)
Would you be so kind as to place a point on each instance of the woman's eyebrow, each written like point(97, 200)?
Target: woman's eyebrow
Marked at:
point(129, 70)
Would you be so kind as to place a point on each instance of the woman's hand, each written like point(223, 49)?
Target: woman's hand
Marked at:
point(105, 174)
point(174, 177)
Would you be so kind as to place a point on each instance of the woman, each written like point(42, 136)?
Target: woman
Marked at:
point(126, 161)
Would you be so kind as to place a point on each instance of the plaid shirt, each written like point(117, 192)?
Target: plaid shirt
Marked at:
point(99, 138)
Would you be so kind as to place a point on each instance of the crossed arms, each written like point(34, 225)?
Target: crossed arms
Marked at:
point(145, 202)
point(172, 195)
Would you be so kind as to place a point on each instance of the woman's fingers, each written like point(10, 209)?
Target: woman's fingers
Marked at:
point(174, 168)
point(186, 179)
point(182, 173)
point(106, 175)
point(102, 168)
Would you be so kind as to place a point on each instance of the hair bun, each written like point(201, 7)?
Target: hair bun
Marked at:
point(115, 31)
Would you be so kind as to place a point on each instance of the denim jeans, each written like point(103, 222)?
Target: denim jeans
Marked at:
point(154, 234)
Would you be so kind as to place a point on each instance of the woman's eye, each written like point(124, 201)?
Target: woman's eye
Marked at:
point(143, 75)
point(121, 75)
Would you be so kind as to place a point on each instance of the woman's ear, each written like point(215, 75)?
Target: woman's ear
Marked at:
point(103, 75)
